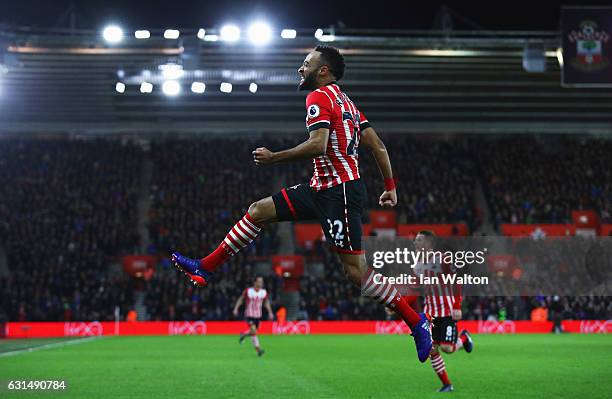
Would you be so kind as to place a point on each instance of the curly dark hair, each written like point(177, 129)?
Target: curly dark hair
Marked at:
point(333, 59)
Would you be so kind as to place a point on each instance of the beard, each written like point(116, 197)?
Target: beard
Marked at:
point(309, 83)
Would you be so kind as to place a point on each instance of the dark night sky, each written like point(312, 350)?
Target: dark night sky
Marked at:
point(535, 15)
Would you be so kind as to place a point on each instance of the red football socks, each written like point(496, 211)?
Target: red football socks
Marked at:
point(239, 237)
point(388, 295)
point(437, 363)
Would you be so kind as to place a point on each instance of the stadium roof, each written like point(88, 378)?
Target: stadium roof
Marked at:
point(509, 15)
point(405, 81)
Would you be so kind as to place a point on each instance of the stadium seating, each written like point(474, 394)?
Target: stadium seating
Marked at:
point(531, 180)
point(70, 208)
point(67, 208)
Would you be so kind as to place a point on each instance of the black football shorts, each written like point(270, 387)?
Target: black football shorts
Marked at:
point(253, 321)
point(444, 330)
point(338, 209)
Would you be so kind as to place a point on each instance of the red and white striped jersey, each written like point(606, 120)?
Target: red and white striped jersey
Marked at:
point(253, 301)
point(440, 298)
point(328, 107)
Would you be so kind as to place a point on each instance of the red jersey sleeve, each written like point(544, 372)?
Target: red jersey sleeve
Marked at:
point(458, 295)
point(363, 122)
point(456, 288)
point(319, 109)
point(245, 293)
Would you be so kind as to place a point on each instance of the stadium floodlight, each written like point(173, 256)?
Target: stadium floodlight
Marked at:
point(120, 87)
point(211, 38)
point(253, 87)
point(142, 34)
point(198, 87)
point(146, 87)
point(226, 87)
point(322, 37)
point(171, 71)
point(288, 33)
point(112, 34)
point(259, 33)
point(201, 33)
point(230, 33)
point(171, 34)
point(559, 55)
point(171, 88)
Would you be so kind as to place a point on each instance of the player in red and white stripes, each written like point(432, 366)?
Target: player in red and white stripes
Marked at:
point(254, 298)
point(335, 195)
point(443, 303)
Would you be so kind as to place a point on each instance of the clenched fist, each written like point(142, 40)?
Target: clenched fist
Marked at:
point(388, 199)
point(262, 156)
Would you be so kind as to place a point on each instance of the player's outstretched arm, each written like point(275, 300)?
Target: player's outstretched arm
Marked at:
point(238, 305)
point(370, 139)
point(315, 146)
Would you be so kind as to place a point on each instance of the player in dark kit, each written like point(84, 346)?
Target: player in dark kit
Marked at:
point(334, 195)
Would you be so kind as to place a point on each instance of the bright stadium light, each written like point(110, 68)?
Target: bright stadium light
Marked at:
point(226, 87)
point(259, 33)
point(120, 87)
point(171, 34)
point(230, 33)
point(288, 33)
point(198, 87)
point(253, 87)
point(171, 71)
point(322, 37)
point(142, 34)
point(201, 33)
point(211, 38)
point(112, 34)
point(171, 88)
point(559, 55)
point(146, 87)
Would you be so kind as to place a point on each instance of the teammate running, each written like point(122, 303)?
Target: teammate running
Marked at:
point(335, 195)
point(254, 298)
point(443, 303)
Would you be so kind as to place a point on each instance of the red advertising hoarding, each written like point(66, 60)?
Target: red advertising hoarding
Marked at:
point(89, 329)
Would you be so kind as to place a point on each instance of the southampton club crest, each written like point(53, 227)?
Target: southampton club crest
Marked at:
point(589, 47)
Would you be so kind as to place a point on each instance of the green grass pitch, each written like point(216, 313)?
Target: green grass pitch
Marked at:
point(315, 366)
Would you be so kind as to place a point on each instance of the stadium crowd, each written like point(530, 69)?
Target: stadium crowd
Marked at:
point(532, 180)
point(69, 208)
point(436, 180)
point(196, 197)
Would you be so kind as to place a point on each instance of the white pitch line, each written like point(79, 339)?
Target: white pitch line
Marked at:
point(48, 346)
